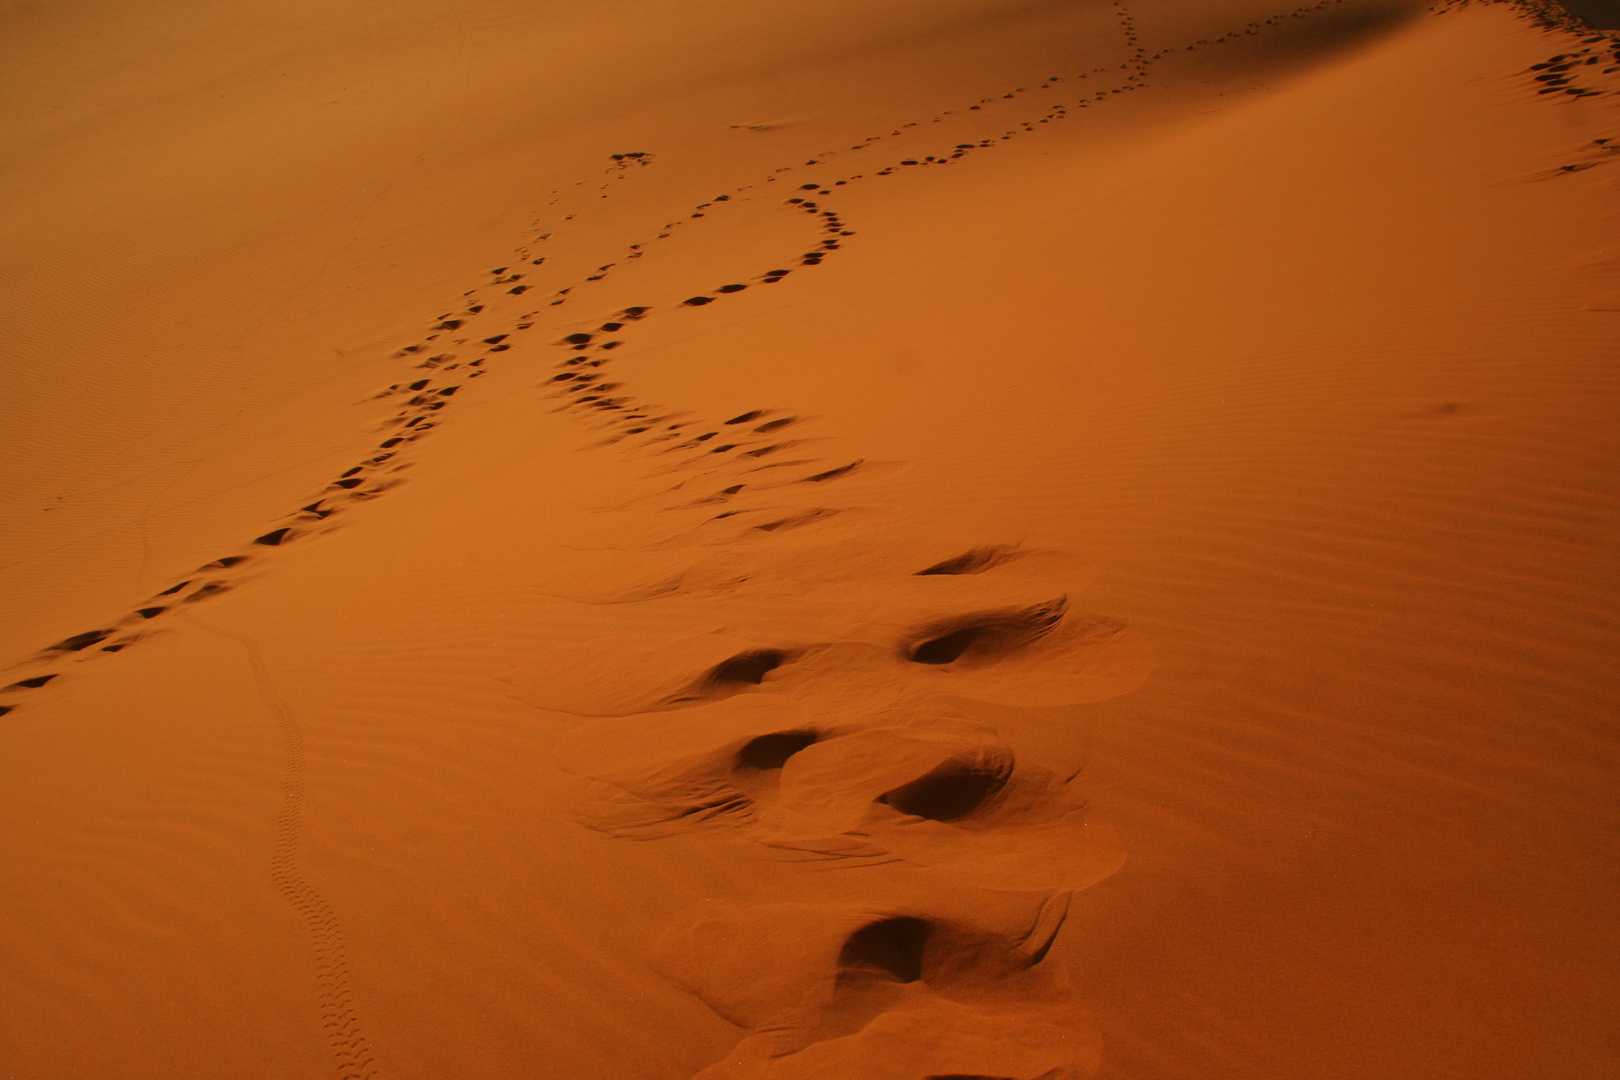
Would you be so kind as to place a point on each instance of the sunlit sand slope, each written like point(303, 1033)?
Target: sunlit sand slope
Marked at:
point(999, 540)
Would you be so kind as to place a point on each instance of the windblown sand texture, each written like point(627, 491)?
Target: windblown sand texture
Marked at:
point(978, 540)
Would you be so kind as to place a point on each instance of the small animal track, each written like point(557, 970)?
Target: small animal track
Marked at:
point(340, 1022)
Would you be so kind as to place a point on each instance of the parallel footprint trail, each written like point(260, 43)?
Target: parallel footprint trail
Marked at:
point(1565, 76)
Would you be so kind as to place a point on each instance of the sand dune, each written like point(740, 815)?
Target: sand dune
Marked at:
point(988, 539)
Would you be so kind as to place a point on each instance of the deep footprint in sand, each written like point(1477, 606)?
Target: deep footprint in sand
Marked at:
point(831, 221)
point(910, 988)
point(977, 794)
point(992, 623)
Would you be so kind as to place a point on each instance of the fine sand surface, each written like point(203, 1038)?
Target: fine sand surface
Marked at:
point(850, 541)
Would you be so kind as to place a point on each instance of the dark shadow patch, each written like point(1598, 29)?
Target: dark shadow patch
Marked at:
point(948, 793)
point(730, 677)
point(772, 751)
point(80, 642)
point(744, 668)
point(895, 948)
point(832, 474)
point(986, 636)
point(273, 538)
point(31, 684)
point(974, 561)
point(1598, 14)
point(796, 521)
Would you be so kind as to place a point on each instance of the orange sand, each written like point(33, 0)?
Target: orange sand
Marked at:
point(1125, 588)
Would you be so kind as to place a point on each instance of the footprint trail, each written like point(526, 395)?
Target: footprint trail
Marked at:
point(892, 717)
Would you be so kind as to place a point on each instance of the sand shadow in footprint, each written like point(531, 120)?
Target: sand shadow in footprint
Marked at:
point(939, 783)
point(992, 622)
point(1028, 649)
point(910, 989)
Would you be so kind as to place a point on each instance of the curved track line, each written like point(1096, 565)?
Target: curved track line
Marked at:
point(351, 1051)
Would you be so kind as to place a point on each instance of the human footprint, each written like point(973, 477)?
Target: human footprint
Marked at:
point(923, 779)
point(916, 988)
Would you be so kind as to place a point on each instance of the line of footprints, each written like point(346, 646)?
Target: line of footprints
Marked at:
point(582, 380)
point(426, 397)
point(903, 712)
point(907, 729)
point(896, 715)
